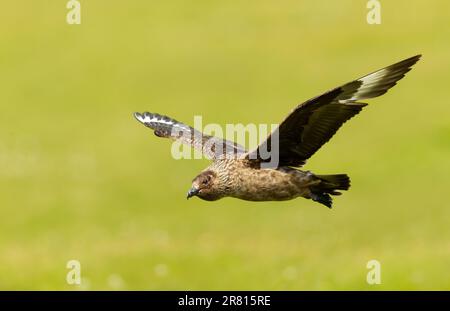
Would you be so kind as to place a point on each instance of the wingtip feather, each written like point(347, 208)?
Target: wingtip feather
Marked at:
point(137, 116)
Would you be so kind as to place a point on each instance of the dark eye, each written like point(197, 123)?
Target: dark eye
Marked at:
point(207, 180)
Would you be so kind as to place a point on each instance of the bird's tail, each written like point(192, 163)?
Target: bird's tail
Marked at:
point(329, 184)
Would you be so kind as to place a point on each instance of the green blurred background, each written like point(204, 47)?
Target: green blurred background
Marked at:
point(81, 179)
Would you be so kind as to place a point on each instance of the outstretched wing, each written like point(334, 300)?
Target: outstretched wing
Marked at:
point(311, 124)
point(212, 147)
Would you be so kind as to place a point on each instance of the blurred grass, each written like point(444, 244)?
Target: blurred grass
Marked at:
point(80, 179)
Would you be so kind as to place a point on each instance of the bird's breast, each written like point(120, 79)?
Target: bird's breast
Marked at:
point(267, 185)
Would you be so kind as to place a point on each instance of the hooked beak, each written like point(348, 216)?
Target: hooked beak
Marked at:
point(193, 191)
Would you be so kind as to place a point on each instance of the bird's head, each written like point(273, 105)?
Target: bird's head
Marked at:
point(205, 186)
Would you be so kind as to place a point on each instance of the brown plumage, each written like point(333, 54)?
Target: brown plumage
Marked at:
point(252, 176)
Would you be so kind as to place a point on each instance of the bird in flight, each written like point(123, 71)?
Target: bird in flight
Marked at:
point(248, 175)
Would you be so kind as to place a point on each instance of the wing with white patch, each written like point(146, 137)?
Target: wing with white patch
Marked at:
point(311, 124)
point(212, 147)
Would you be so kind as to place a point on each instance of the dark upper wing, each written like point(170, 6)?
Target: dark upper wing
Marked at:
point(212, 147)
point(313, 123)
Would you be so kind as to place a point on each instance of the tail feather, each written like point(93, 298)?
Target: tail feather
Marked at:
point(328, 186)
point(335, 182)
